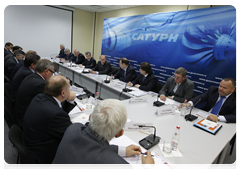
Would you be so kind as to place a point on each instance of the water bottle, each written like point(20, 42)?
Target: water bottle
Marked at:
point(184, 108)
point(71, 63)
point(96, 98)
point(59, 72)
point(175, 138)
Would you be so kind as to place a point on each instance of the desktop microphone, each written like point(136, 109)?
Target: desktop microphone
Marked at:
point(108, 81)
point(150, 140)
point(128, 90)
point(158, 103)
point(191, 117)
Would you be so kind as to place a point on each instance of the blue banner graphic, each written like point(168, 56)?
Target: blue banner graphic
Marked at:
point(203, 41)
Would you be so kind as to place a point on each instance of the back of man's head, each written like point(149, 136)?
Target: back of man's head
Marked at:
point(55, 85)
point(14, 48)
point(31, 58)
point(18, 53)
point(42, 65)
point(108, 118)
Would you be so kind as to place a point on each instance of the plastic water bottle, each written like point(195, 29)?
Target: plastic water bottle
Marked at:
point(184, 108)
point(175, 138)
point(59, 72)
point(71, 63)
point(96, 98)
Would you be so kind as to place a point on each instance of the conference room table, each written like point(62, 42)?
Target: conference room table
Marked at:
point(196, 145)
point(93, 83)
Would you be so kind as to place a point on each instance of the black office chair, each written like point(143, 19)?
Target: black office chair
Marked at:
point(7, 79)
point(7, 89)
point(232, 143)
point(15, 136)
point(114, 70)
point(8, 112)
point(159, 86)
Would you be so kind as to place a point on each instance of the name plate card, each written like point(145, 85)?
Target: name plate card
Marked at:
point(135, 126)
point(138, 100)
point(165, 110)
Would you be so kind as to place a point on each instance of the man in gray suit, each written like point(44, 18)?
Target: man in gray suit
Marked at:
point(89, 144)
point(178, 87)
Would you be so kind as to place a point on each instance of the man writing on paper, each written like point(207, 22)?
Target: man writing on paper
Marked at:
point(83, 144)
point(178, 87)
point(89, 62)
point(221, 101)
point(126, 71)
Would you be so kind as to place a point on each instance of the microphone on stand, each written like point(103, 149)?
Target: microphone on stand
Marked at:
point(191, 117)
point(158, 103)
point(150, 140)
point(108, 81)
point(128, 90)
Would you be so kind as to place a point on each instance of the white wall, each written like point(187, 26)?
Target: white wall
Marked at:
point(38, 28)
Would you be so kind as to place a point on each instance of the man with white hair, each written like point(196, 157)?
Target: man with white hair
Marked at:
point(69, 55)
point(62, 52)
point(83, 144)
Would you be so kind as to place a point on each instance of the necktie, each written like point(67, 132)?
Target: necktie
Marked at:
point(175, 88)
point(217, 106)
point(77, 59)
point(143, 78)
point(124, 73)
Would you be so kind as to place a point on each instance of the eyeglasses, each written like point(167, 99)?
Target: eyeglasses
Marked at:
point(51, 71)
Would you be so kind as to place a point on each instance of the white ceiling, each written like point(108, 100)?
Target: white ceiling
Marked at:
point(101, 8)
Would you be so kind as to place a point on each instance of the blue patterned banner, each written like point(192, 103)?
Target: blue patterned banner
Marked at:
point(203, 41)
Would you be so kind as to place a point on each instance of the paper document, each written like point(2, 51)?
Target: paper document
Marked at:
point(82, 118)
point(78, 108)
point(137, 92)
point(202, 114)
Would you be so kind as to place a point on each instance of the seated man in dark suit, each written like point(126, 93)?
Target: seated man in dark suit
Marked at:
point(69, 56)
point(7, 48)
point(32, 85)
point(30, 63)
point(179, 87)
point(62, 53)
point(79, 57)
point(46, 119)
point(89, 61)
point(221, 101)
point(21, 63)
point(11, 53)
point(126, 71)
point(83, 144)
point(146, 80)
point(12, 62)
point(102, 67)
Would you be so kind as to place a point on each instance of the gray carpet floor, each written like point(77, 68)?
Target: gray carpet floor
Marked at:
point(10, 153)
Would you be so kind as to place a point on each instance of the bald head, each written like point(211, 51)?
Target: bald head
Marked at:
point(57, 86)
point(103, 59)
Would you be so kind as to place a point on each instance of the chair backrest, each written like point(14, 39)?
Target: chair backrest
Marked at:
point(8, 112)
point(15, 136)
point(114, 69)
point(159, 86)
point(7, 79)
point(7, 89)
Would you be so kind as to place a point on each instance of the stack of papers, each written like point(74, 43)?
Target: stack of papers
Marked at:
point(137, 92)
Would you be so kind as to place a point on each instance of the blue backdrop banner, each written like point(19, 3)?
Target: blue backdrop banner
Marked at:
point(203, 41)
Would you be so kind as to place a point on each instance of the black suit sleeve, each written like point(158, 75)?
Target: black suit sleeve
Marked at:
point(58, 124)
point(164, 89)
point(129, 76)
point(67, 107)
point(152, 83)
point(117, 75)
point(106, 70)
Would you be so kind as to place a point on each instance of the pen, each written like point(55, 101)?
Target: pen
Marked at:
point(79, 107)
point(145, 154)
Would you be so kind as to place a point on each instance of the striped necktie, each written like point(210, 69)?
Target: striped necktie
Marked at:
point(175, 88)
